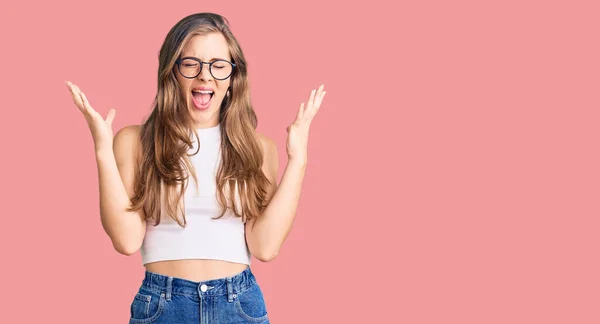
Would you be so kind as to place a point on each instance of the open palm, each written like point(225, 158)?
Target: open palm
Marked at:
point(101, 128)
point(297, 140)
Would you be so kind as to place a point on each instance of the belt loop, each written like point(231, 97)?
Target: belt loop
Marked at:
point(169, 288)
point(229, 289)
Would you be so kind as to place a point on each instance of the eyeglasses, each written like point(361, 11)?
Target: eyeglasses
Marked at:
point(191, 67)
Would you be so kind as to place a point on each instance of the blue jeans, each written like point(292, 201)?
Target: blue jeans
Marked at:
point(165, 299)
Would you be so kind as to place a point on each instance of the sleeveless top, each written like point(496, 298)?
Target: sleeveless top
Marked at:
point(203, 237)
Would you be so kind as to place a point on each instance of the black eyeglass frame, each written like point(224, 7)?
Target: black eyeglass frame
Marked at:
point(210, 64)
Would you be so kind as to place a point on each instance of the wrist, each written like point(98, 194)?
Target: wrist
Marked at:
point(103, 152)
point(297, 162)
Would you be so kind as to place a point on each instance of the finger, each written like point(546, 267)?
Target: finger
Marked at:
point(311, 99)
point(110, 117)
point(75, 95)
point(319, 91)
point(319, 99)
point(77, 92)
point(86, 104)
point(300, 111)
point(317, 105)
point(312, 96)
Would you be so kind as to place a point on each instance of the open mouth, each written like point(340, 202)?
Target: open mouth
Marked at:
point(202, 98)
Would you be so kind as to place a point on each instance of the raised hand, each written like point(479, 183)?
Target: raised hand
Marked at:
point(101, 128)
point(297, 140)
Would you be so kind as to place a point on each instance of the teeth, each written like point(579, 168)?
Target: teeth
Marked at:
point(203, 91)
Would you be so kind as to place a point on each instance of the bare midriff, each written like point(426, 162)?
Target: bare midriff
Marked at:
point(196, 270)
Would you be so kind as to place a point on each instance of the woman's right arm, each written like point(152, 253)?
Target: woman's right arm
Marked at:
point(117, 161)
point(116, 170)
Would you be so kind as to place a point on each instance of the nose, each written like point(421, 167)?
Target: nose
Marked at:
point(205, 72)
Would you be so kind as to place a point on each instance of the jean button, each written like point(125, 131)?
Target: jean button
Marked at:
point(203, 288)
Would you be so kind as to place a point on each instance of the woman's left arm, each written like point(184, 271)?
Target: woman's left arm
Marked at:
point(266, 235)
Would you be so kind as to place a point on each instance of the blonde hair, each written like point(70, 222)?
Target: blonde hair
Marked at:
point(165, 135)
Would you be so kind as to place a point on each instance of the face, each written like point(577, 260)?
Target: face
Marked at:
point(204, 93)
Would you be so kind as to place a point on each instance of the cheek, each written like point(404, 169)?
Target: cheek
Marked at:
point(224, 87)
point(184, 89)
point(184, 85)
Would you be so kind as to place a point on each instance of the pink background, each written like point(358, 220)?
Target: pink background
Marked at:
point(453, 169)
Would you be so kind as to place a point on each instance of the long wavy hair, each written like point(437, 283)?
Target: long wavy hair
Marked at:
point(166, 136)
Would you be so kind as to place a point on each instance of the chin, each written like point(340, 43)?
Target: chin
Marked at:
point(203, 116)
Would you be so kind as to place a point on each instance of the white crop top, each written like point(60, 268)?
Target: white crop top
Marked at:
point(203, 237)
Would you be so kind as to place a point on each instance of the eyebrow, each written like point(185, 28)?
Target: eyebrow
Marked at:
point(212, 59)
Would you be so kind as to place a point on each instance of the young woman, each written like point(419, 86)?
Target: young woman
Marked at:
point(194, 188)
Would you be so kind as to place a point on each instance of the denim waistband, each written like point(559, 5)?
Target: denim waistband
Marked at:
point(215, 287)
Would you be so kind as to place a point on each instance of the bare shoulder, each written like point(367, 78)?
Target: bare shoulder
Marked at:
point(126, 148)
point(126, 144)
point(270, 156)
point(127, 137)
point(128, 133)
point(267, 143)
